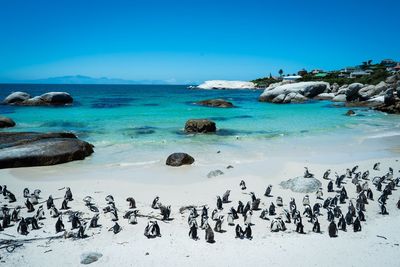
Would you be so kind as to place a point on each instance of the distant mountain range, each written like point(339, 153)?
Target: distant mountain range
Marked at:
point(80, 79)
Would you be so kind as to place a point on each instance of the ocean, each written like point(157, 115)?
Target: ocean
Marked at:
point(120, 119)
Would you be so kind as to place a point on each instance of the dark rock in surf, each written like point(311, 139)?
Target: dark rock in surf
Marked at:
point(200, 126)
point(219, 103)
point(6, 122)
point(179, 159)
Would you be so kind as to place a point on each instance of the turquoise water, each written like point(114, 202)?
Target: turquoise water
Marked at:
point(147, 115)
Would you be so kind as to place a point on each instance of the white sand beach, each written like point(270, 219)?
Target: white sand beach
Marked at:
point(376, 244)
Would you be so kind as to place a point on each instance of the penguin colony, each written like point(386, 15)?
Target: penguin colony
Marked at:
point(333, 205)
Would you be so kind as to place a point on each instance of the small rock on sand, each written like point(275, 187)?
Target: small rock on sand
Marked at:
point(214, 173)
point(90, 257)
point(301, 184)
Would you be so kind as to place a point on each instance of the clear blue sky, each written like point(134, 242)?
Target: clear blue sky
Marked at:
point(189, 41)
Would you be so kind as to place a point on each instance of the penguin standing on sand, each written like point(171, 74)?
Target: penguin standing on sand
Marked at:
point(332, 229)
point(64, 204)
point(209, 234)
point(239, 231)
point(132, 202)
point(59, 225)
point(68, 194)
point(29, 206)
point(268, 191)
point(49, 202)
point(242, 185)
point(94, 221)
point(376, 166)
point(193, 231)
point(248, 233)
point(219, 203)
point(22, 227)
point(326, 174)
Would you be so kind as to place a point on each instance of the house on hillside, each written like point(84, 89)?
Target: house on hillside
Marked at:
point(302, 72)
point(292, 77)
point(316, 71)
point(390, 63)
point(359, 73)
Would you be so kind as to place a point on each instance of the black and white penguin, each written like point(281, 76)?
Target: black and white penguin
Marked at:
point(271, 210)
point(209, 234)
point(22, 227)
point(357, 225)
point(116, 228)
point(248, 232)
point(268, 191)
point(365, 175)
point(68, 194)
point(383, 209)
point(219, 203)
point(230, 219)
point(193, 231)
point(332, 229)
point(29, 206)
point(49, 202)
point(154, 203)
point(132, 202)
point(279, 201)
point(133, 217)
point(225, 196)
point(94, 222)
point(247, 217)
point(240, 207)
point(376, 166)
point(316, 226)
point(64, 204)
point(40, 213)
point(239, 232)
point(326, 174)
point(81, 231)
point(299, 225)
point(307, 174)
point(342, 224)
point(11, 197)
point(242, 185)
point(15, 214)
point(59, 225)
point(218, 224)
point(330, 186)
point(165, 212)
point(54, 212)
point(75, 221)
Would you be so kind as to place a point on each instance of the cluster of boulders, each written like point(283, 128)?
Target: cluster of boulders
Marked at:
point(47, 99)
point(200, 126)
point(383, 96)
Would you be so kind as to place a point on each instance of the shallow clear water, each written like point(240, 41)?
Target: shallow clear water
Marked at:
point(147, 115)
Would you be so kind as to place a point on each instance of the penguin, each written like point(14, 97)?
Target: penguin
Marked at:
point(68, 194)
point(133, 217)
point(268, 191)
point(332, 229)
point(209, 234)
point(361, 216)
point(132, 202)
point(75, 221)
point(40, 213)
point(114, 215)
point(239, 232)
point(26, 193)
point(319, 194)
point(116, 228)
point(54, 212)
point(165, 212)
point(287, 216)
point(357, 225)
point(330, 186)
point(292, 205)
point(248, 233)
point(154, 203)
point(376, 166)
point(379, 186)
point(110, 199)
point(193, 231)
point(307, 174)
point(383, 209)
point(370, 195)
point(271, 210)
point(219, 203)
point(149, 230)
point(331, 215)
point(349, 218)
point(6, 218)
point(240, 207)
point(225, 196)
point(64, 204)
point(316, 227)
point(354, 169)
point(279, 201)
point(326, 174)
point(204, 212)
point(49, 202)
point(365, 175)
point(398, 204)
point(247, 217)
point(230, 219)
point(299, 225)
point(246, 208)
point(81, 231)
point(242, 185)
point(214, 215)
point(342, 224)
point(316, 209)
point(203, 222)
point(218, 224)
point(22, 227)
point(11, 197)
point(94, 221)
point(59, 225)
point(29, 206)
point(306, 200)
point(348, 173)
point(264, 214)
point(255, 204)
point(4, 191)
point(15, 214)
point(33, 221)
point(156, 228)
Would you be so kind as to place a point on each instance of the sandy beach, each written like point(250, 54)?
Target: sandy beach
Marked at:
point(375, 244)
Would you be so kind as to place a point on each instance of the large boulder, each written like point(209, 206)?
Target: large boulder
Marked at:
point(372, 90)
point(6, 122)
point(47, 99)
point(200, 126)
point(219, 103)
point(339, 98)
point(26, 149)
point(306, 89)
point(325, 96)
point(16, 97)
point(301, 184)
point(352, 91)
point(179, 159)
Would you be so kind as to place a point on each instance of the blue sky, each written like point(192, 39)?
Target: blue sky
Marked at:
point(191, 41)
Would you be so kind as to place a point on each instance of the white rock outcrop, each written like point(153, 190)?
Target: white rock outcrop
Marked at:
point(223, 84)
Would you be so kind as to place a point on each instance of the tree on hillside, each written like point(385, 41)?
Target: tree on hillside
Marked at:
point(280, 72)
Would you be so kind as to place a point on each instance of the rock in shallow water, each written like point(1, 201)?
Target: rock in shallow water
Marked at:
point(47, 99)
point(26, 149)
point(179, 159)
point(6, 122)
point(90, 257)
point(200, 126)
point(301, 184)
point(219, 103)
